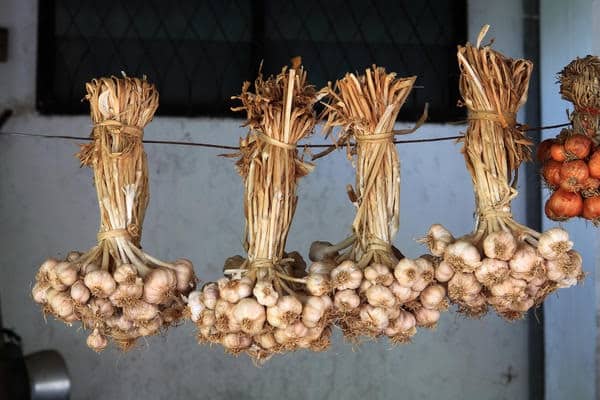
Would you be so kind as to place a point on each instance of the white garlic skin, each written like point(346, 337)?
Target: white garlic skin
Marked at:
point(265, 293)
point(554, 243)
point(346, 300)
point(444, 272)
point(346, 276)
point(159, 285)
point(432, 296)
point(195, 305)
point(250, 315)
point(380, 296)
point(376, 317)
point(317, 284)
point(407, 272)
point(379, 274)
point(80, 293)
point(96, 341)
point(438, 238)
point(500, 245)
point(462, 256)
point(100, 283)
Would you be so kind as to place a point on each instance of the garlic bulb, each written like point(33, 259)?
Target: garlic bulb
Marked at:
point(346, 276)
point(184, 271)
point(525, 259)
point(80, 293)
point(250, 315)
point(462, 256)
point(492, 271)
point(73, 256)
point(128, 292)
point(210, 295)
point(159, 285)
point(462, 286)
point(235, 289)
point(379, 274)
point(317, 284)
point(500, 245)
point(346, 300)
point(380, 296)
point(402, 293)
point(286, 311)
point(554, 243)
point(320, 267)
point(60, 303)
point(39, 292)
point(102, 308)
point(432, 297)
point(443, 272)
point(266, 340)
point(96, 341)
point(140, 311)
point(437, 239)
point(66, 273)
point(374, 318)
point(236, 342)
point(407, 272)
point(195, 305)
point(100, 283)
point(427, 318)
point(125, 273)
point(265, 293)
point(314, 310)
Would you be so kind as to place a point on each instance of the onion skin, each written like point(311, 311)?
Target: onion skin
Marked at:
point(591, 208)
point(578, 146)
point(576, 171)
point(558, 153)
point(543, 150)
point(551, 172)
point(594, 165)
point(563, 205)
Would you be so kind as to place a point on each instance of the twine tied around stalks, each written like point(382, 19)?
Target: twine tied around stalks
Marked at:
point(131, 130)
point(506, 119)
point(132, 233)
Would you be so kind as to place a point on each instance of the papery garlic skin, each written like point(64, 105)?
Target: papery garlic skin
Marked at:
point(318, 284)
point(159, 285)
point(492, 271)
point(286, 311)
point(66, 273)
point(427, 318)
point(265, 293)
point(314, 310)
point(195, 305)
point(100, 283)
point(500, 245)
point(375, 318)
point(444, 272)
point(125, 273)
point(554, 243)
point(346, 300)
point(96, 341)
point(346, 276)
point(380, 296)
point(184, 272)
point(432, 297)
point(210, 295)
point(250, 315)
point(437, 239)
point(379, 274)
point(462, 256)
point(407, 272)
point(80, 293)
point(39, 292)
point(235, 289)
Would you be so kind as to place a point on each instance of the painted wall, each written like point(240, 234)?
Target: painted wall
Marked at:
point(48, 207)
point(569, 29)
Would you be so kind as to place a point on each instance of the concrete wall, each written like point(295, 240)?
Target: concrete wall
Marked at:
point(569, 29)
point(48, 207)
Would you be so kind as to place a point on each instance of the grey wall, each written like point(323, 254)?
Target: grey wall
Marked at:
point(48, 207)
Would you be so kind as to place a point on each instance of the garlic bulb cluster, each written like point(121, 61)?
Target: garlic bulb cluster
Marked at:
point(253, 317)
point(378, 300)
point(123, 303)
point(509, 273)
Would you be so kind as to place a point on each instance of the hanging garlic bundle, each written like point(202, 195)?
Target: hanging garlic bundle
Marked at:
point(502, 263)
point(116, 289)
point(571, 161)
point(260, 308)
point(375, 290)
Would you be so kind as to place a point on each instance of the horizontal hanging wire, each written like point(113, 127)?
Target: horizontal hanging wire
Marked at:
point(226, 147)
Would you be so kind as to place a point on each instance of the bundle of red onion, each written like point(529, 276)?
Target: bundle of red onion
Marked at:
point(116, 289)
point(571, 161)
point(260, 308)
point(375, 290)
point(502, 263)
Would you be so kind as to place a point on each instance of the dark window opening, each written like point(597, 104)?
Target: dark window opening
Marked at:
point(199, 52)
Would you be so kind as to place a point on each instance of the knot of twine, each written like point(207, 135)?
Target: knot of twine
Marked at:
point(505, 119)
point(377, 245)
point(274, 142)
point(268, 263)
point(376, 138)
point(495, 211)
point(130, 130)
point(132, 232)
